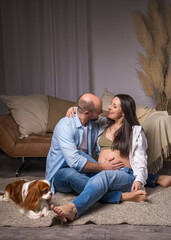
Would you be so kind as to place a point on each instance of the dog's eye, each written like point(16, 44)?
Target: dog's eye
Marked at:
point(45, 191)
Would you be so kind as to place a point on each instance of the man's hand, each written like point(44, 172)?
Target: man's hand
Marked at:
point(112, 164)
point(136, 186)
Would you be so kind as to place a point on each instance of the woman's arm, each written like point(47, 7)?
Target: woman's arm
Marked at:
point(138, 156)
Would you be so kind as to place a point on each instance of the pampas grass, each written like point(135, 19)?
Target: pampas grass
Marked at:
point(147, 87)
point(153, 32)
point(156, 23)
point(142, 30)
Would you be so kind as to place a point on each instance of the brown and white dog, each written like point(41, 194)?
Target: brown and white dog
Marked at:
point(33, 197)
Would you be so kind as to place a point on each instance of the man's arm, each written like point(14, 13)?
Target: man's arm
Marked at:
point(66, 137)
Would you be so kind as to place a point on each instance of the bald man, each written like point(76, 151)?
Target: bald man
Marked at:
point(68, 166)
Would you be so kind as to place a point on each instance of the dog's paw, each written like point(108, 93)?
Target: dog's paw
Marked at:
point(3, 197)
point(31, 214)
point(35, 215)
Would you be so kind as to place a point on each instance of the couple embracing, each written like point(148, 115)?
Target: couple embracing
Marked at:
point(120, 173)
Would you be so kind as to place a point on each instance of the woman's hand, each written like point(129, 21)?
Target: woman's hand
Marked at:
point(136, 186)
point(71, 112)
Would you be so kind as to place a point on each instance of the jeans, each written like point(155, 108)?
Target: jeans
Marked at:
point(106, 186)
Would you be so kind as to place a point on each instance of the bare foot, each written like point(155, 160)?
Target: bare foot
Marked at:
point(67, 211)
point(164, 180)
point(138, 196)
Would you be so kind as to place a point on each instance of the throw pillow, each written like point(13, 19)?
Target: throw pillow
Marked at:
point(142, 111)
point(106, 99)
point(30, 112)
point(57, 110)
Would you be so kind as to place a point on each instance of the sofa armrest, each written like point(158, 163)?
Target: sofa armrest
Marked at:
point(9, 133)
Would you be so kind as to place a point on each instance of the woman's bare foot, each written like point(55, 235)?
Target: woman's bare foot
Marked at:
point(67, 211)
point(164, 180)
point(138, 196)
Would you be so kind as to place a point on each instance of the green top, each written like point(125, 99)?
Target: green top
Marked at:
point(104, 142)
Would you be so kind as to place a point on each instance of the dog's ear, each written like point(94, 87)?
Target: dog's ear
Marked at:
point(32, 200)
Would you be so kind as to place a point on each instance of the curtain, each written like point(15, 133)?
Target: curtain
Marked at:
point(45, 47)
point(2, 82)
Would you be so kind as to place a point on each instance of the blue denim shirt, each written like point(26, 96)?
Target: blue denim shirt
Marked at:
point(67, 136)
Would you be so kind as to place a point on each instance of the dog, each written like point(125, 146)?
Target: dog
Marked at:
point(32, 197)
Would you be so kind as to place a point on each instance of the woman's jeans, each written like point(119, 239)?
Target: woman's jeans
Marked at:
point(106, 186)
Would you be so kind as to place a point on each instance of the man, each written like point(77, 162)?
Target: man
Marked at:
point(73, 141)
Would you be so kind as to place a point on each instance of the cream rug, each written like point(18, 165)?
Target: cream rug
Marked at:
point(156, 211)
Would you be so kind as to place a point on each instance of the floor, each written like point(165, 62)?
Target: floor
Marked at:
point(8, 167)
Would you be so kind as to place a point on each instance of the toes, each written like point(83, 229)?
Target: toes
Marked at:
point(55, 209)
point(51, 206)
point(58, 211)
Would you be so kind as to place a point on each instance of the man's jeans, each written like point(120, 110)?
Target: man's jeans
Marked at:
point(106, 186)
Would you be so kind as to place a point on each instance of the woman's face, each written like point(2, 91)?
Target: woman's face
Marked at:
point(115, 110)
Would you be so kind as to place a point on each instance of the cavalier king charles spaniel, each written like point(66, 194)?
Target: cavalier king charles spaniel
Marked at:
point(33, 197)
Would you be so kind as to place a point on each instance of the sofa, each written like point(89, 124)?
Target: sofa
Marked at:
point(27, 129)
point(15, 146)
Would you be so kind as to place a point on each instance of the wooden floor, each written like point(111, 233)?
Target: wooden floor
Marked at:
point(8, 166)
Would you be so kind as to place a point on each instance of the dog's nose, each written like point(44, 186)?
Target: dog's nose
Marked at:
point(51, 193)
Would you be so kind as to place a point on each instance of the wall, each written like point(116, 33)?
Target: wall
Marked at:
point(114, 48)
point(112, 51)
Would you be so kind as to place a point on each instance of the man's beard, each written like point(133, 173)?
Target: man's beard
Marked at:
point(94, 119)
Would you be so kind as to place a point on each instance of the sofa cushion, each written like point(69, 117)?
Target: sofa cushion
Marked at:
point(106, 99)
point(34, 146)
point(57, 110)
point(29, 112)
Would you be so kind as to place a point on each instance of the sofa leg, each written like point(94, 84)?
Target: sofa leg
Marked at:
point(22, 166)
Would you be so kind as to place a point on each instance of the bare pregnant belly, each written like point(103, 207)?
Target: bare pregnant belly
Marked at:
point(109, 154)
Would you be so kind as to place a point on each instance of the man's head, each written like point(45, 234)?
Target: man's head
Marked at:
point(89, 107)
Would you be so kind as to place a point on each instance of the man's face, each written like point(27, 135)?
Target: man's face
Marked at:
point(95, 114)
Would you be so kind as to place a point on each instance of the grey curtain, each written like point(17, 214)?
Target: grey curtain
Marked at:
point(44, 47)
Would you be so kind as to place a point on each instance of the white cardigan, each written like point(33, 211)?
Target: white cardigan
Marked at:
point(137, 153)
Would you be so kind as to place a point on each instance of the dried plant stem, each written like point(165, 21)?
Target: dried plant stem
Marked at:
point(154, 34)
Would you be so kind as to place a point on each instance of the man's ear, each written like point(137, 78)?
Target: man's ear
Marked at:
point(86, 112)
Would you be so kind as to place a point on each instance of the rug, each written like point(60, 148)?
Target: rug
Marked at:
point(156, 211)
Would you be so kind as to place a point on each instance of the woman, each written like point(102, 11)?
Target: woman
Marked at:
point(118, 136)
point(122, 138)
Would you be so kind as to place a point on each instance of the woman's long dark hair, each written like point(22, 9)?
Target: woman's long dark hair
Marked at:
point(122, 139)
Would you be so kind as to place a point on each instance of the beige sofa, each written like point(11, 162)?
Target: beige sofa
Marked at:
point(27, 130)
